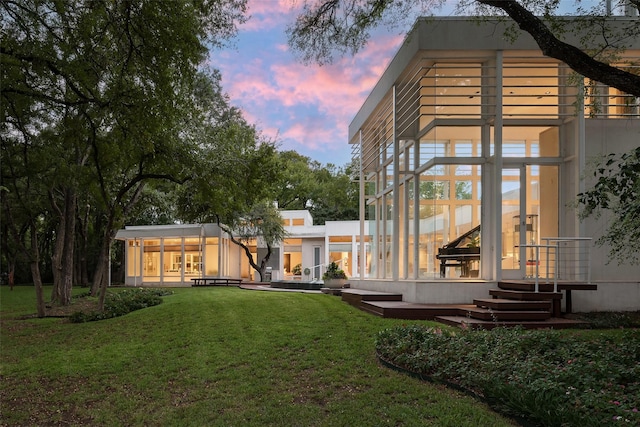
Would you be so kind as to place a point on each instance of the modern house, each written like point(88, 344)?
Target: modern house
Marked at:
point(469, 135)
point(173, 255)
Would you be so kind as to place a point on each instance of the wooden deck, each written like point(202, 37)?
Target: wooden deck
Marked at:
point(514, 303)
point(216, 281)
point(562, 285)
point(356, 296)
point(408, 310)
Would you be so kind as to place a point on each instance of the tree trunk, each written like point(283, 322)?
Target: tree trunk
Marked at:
point(12, 271)
point(32, 253)
point(56, 258)
point(37, 282)
point(35, 271)
point(82, 271)
point(64, 256)
point(101, 276)
point(263, 262)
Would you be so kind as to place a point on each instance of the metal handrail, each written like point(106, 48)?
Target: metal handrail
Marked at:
point(556, 246)
point(559, 240)
point(537, 262)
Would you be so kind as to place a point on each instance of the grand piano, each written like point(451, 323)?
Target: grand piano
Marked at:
point(460, 253)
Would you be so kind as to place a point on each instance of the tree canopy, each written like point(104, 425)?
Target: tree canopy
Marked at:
point(99, 98)
point(329, 27)
point(327, 191)
point(617, 191)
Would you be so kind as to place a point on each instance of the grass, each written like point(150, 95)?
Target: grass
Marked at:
point(215, 357)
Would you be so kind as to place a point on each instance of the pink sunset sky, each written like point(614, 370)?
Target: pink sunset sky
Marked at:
point(305, 108)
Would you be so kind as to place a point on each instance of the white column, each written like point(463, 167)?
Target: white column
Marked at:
point(496, 220)
point(362, 211)
point(395, 250)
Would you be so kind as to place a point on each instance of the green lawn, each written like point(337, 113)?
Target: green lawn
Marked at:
point(215, 356)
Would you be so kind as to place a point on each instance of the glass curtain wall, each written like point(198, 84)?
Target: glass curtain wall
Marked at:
point(443, 113)
point(377, 168)
point(449, 200)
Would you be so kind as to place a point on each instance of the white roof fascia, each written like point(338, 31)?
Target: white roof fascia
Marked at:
point(174, 230)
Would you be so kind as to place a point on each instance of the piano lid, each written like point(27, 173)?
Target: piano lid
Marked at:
point(465, 239)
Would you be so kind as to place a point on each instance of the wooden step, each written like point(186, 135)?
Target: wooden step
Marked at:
point(527, 285)
point(356, 296)
point(555, 297)
point(470, 323)
point(501, 315)
point(413, 311)
point(525, 295)
point(507, 304)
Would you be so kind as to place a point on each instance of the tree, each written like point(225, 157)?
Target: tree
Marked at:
point(298, 185)
point(336, 195)
point(262, 224)
point(617, 190)
point(236, 176)
point(330, 26)
point(327, 191)
point(100, 96)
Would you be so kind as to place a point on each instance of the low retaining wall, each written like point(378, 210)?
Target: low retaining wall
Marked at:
point(610, 296)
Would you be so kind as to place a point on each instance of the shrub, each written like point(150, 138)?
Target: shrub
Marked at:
point(122, 302)
point(334, 272)
point(550, 377)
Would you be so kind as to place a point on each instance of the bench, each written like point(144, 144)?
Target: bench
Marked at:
point(216, 281)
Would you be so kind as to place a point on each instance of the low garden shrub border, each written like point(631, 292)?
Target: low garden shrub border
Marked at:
point(547, 377)
point(521, 421)
point(121, 302)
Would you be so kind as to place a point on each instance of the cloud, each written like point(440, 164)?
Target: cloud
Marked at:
point(306, 107)
point(268, 14)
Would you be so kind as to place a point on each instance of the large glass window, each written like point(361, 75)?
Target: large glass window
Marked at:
point(449, 90)
point(340, 252)
point(388, 235)
point(531, 90)
point(192, 256)
point(372, 247)
point(212, 256)
point(448, 208)
point(292, 258)
point(172, 260)
point(151, 259)
point(133, 258)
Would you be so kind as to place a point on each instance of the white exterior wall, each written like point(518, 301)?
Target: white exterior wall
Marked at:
point(604, 137)
point(308, 250)
point(311, 236)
